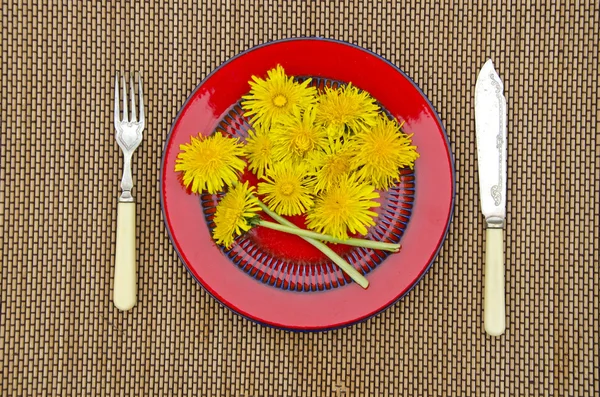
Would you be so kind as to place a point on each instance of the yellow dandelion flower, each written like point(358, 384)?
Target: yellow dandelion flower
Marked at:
point(259, 150)
point(382, 151)
point(297, 135)
point(344, 207)
point(346, 109)
point(210, 163)
point(235, 213)
point(285, 189)
point(326, 167)
point(278, 95)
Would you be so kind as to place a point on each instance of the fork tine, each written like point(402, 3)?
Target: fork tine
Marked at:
point(141, 100)
point(132, 97)
point(125, 115)
point(117, 113)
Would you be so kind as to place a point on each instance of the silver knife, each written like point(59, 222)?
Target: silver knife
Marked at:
point(490, 123)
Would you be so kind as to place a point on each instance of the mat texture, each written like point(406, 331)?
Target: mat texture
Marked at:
point(60, 334)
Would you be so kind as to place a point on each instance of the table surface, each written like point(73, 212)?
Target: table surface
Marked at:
point(59, 331)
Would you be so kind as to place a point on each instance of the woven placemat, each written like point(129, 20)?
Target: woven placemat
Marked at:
point(60, 334)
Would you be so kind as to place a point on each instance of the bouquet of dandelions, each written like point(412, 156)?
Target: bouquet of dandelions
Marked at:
point(322, 154)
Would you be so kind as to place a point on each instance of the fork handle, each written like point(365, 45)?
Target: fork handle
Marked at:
point(125, 282)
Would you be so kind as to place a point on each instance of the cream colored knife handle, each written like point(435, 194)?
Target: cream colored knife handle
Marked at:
point(493, 300)
point(125, 287)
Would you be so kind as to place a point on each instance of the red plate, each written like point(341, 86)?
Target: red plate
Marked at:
point(277, 279)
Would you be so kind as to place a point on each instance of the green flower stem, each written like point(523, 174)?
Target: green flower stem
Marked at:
point(338, 260)
point(357, 242)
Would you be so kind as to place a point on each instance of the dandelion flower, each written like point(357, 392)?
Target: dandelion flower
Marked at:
point(285, 189)
point(297, 135)
point(329, 165)
point(259, 150)
point(344, 207)
point(346, 109)
point(383, 150)
point(235, 214)
point(210, 163)
point(278, 95)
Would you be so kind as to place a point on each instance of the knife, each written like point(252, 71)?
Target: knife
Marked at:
point(490, 124)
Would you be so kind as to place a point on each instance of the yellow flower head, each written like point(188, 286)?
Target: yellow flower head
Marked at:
point(382, 151)
point(346, 109)
point(344, 207)
point(259, 150)
point(297, 135)
point(210, 163)
point(285, 188)
point(329, 165)
point(234, 214)
point(276, 96)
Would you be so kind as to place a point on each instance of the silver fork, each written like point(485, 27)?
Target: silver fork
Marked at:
point(129, 129)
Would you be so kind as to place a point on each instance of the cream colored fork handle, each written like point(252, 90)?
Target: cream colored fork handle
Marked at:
point(125, 283)
point(493, 300)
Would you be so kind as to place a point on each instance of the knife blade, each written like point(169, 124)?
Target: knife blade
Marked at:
point(490, 125)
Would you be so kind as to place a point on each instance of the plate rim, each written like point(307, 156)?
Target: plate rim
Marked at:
point(434, 254)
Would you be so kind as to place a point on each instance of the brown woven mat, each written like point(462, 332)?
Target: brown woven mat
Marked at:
point(59, 331)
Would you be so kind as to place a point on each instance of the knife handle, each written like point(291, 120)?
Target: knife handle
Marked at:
point(493, 300)
point(125, 282)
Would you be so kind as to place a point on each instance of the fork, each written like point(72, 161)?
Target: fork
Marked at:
point(129, 129)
